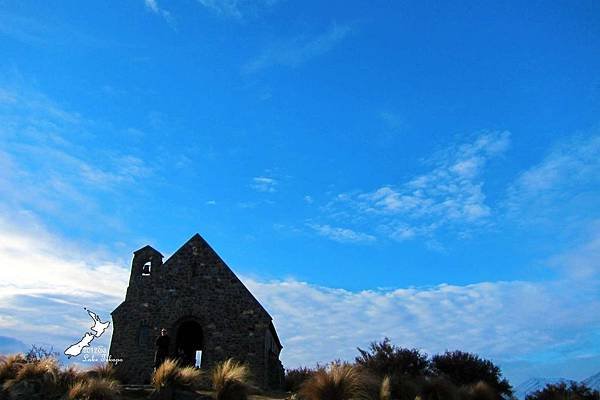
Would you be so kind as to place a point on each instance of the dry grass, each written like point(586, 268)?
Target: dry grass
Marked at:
point(339, 382)
point(43, 379)
point(385, 392)
point(10, 365)
point(69, 376)
point(99, 371)
point(39, 379)
point(45, 369)
point(189, 377)
point(230, 380)
point(171, 375)
point(94, 389)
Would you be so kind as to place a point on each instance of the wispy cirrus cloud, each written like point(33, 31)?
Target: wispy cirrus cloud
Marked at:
point(264, 184)
point(237, 9)
point(562, 188)
point(47, 166)
point(153, 6)
point(343, 235)
point(298, 50)
point(449, 195)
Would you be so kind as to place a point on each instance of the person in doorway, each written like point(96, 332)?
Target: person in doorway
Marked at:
point(162, 348)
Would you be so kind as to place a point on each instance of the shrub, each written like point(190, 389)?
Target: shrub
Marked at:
point(94, 389)
point(37, 353)
point(339, 382)
point(384, 358)
point(483, 391)
point(171, 375)
point(294, 378)
point(405, 387)
point(463, 368)
point(560, 391)
point(438, 389)
point(230, 380)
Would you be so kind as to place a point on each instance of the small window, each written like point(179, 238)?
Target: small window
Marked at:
point(198, 358)
point(146, 269)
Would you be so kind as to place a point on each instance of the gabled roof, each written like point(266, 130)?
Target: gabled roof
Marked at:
point(148, 248)
point(199, 242)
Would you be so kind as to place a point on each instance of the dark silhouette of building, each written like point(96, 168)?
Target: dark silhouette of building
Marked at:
point(209, 314)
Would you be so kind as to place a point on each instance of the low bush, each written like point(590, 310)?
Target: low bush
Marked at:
point(562, 391)
point(384, 358)
point(405, 387)
point(438, 389)
point(463, 368)
point(294, 378)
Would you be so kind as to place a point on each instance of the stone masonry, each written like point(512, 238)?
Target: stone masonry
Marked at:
point(204, 307)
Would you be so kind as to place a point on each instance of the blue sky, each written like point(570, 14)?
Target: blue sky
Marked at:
point(424, 171)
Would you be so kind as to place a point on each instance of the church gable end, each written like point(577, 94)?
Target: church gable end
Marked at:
point(209, 313)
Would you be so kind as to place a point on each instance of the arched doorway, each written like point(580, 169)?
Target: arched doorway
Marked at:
point(189, 342)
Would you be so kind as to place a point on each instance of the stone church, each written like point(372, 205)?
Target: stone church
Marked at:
point(208, 312)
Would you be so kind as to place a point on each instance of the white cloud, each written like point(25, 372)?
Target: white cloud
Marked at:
point(450, 194)
point(501, 320)
point(47, 281)
point(341, 234)
point(264, 184)
point(299, 50)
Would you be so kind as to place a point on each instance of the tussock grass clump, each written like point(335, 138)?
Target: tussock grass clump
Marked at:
point(94, 389)
point(10, 365)
point(230, 380)
point(45, 369)
point(38, 379)
point(105, 370)
point(171, 375)
point(69, 376)
point(338, 382)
